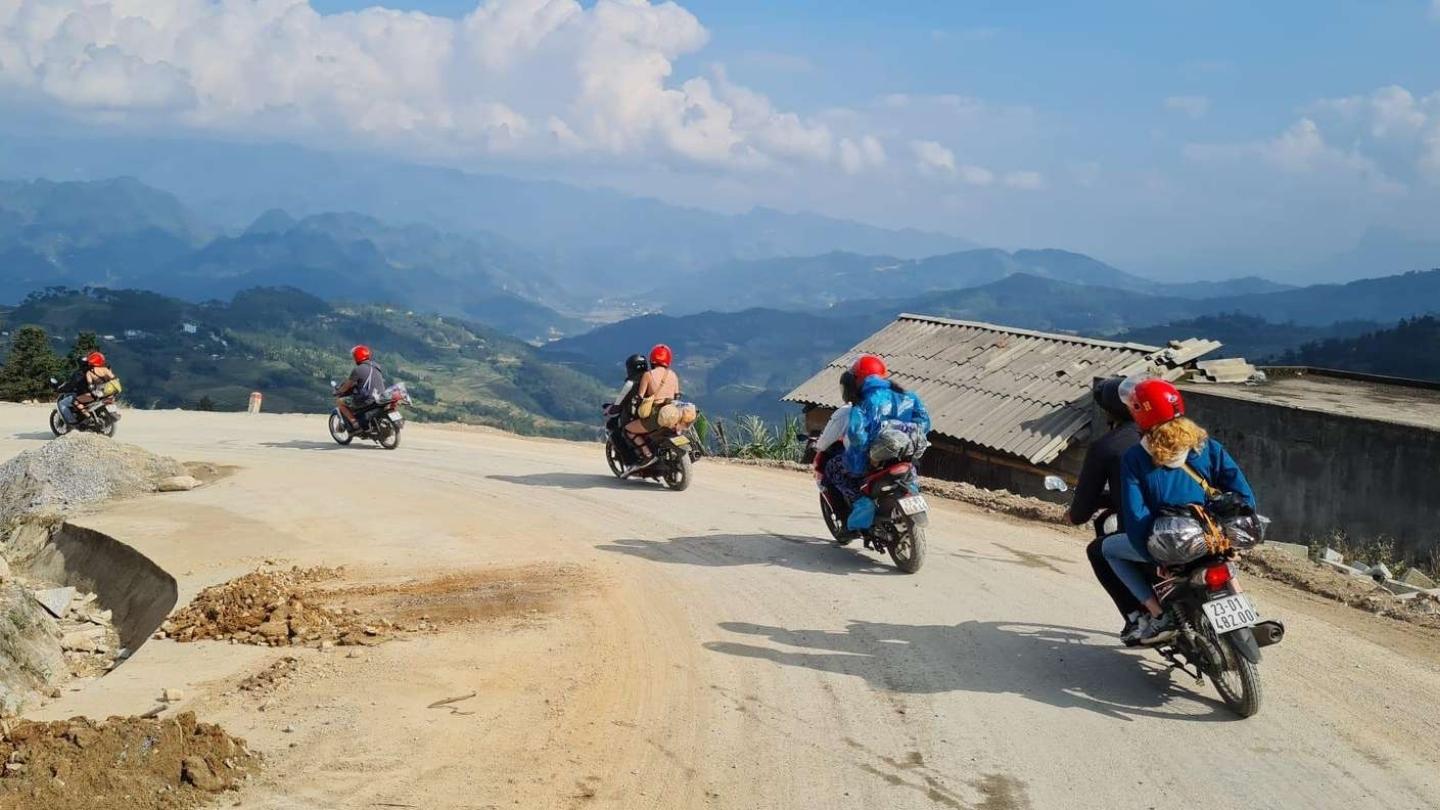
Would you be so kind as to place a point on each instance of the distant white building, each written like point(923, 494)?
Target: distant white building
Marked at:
point(189, 328)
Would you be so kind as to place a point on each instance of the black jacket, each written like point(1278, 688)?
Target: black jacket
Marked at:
point(79, 382)
point(1099, 484)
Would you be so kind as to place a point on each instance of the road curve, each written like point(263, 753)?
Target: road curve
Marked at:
point(710, 649)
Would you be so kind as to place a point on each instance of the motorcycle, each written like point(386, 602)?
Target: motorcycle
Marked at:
point(901, 512)
point(677, 450)
point(380, 421)
point(99, 416)
point(1219, 630)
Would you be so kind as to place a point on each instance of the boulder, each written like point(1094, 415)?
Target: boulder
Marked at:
point(197, 772)
point(178, 483)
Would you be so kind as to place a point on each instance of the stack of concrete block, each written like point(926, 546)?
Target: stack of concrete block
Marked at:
point(1230, 370)
point(1414, 581)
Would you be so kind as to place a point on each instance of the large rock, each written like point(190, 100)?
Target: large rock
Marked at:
point(56, 600)
point(178, 483)
point(1417, 578)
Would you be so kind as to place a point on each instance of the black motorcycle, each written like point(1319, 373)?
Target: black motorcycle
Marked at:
point(677, 451)
point(99, 416)
point(1219, 631)
point(901, 512)
point(380, 421)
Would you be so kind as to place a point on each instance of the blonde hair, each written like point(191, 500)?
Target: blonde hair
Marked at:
point(1174, 439)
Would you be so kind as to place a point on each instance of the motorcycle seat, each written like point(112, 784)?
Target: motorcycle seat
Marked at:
point(893, 470)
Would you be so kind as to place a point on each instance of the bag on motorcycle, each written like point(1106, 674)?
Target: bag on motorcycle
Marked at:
point(897, 441)
point(1238, 520)
point(667, 416)
point(1180, 535)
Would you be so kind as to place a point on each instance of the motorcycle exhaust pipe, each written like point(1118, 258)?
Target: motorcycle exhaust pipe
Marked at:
point(1268, 632)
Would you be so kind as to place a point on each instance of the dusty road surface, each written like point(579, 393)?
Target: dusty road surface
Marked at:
point(618, 645)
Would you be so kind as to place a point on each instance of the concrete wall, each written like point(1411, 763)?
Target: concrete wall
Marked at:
point(1319, 473)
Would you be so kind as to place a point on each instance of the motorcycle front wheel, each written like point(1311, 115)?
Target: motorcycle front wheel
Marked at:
point(107, 428)
point(612, 458)
point(908, 550)
point(338, 431)
point(58, 425)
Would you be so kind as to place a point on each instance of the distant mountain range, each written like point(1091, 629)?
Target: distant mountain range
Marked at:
point(819, 282)
point(606, 241)
point(122, 233)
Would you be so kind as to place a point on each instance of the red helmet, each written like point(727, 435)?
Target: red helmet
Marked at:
point(361, 353)
point(1155, 402)
point(660, 355)
point(866, 366)
point(95, 359)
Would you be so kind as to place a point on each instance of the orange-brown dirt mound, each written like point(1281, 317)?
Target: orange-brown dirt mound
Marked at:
point(274, 609)
point(131, 762)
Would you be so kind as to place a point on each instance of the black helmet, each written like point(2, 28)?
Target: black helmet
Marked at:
point(635, 365)
point(1107, 396)
point(849, 391)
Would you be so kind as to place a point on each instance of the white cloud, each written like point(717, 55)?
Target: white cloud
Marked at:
point(932, 158)
point(529, 78)
point(1302, 151)
point(1025, 181)
point(1193, 106)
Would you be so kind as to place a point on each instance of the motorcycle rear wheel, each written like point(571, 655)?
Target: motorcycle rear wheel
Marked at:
point(58, 425)
point(389, 437)
point(107, 428)
point(338, 431)
point(1236, 678)
point(908, 551)
point(677, 476)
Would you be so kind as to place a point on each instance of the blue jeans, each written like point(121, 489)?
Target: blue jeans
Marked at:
point(1131, 565)
point(66, 406)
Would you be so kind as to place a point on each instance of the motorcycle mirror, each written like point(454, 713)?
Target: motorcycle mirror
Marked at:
point(803, 437)
point(1055, 483)
point(334, 384)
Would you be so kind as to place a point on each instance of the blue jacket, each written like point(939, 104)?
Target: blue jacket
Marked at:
point(1146, 486)
point(879, 403)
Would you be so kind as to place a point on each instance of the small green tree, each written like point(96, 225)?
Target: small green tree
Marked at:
point(84, 344)
point(205, 403)
point(28, 366)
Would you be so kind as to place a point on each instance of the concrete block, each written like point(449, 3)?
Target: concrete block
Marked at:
point(1401, 589)
point(1380, 573)
point(1330, 555)
point(1417, 578)
point(1342, 568)
point(56, 600)
point(1292, 549)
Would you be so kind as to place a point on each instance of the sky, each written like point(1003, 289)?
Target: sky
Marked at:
point(1175, 138)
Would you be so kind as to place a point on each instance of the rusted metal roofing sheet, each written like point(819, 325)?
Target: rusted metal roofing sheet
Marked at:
point(1015, 391)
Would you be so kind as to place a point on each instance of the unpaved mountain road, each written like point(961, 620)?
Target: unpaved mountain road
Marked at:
point(710, 649)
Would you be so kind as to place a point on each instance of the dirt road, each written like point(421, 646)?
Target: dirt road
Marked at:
point(710, 649)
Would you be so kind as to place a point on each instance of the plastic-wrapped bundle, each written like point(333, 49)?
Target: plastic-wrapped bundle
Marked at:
point(1245, 531)
point(1177, 539)
point(897, 442)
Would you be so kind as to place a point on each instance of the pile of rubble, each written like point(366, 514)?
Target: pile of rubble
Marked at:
point(1412, 598)
point(87, 633)
point(82, 469)
point(273, 609)
point(132, 762)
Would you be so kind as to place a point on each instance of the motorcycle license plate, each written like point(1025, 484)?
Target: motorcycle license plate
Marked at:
point(914, 505)
point(680, 441)
point(1230, 613)
point(395, 416)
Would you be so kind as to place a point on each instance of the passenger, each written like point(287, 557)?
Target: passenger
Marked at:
point(82, 387)
point(658, 387)
point(1174, 465)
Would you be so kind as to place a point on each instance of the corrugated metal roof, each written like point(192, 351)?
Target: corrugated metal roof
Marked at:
point(1015, 391)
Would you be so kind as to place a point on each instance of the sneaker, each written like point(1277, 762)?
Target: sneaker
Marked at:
point(1130, 633)
point(1157, 629)
point(634, 468)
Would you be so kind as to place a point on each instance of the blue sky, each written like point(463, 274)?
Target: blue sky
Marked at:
point(1171, 137)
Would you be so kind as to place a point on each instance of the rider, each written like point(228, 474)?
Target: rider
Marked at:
point(365, 383)
point(883, 407)
point(1166, 469)
point(831, 466)
point(623, 408)
point(660, 385)
point(80, 389)
point(1098, 490)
